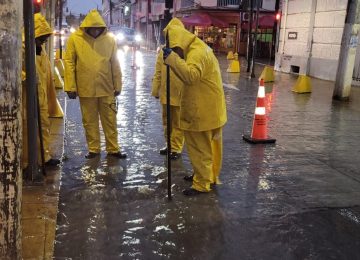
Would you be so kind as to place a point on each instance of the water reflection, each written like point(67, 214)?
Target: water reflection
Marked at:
point(111, 209)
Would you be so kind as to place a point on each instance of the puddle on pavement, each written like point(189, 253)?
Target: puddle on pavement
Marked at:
point(113, 209)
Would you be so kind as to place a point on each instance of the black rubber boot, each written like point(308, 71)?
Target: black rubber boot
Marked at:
point(91, 155)
point(118, 155)
point(163, 151)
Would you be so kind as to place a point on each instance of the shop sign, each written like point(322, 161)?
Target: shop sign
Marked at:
point(292, 35)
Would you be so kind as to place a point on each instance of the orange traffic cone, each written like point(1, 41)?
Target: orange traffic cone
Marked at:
point(259, 130)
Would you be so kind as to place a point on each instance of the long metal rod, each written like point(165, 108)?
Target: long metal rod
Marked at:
point(168, 121)
point(31, 106)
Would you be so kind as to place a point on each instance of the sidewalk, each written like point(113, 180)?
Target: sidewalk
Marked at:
point(40, 205)
point(297, 199)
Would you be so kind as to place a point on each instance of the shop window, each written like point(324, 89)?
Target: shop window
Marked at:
point(217, 38)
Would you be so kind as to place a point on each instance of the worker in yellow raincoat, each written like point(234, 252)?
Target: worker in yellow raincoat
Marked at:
point(159, 91)
point(48, 104)
point(92, 72)
point(202, 107)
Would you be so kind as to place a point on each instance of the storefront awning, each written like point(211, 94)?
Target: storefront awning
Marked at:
point(203, 19)
point(265, 22)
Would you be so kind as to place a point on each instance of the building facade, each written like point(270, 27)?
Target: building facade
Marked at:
point(310, 37)
point(149, 19)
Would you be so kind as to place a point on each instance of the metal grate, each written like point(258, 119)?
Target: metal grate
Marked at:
point(228, 3)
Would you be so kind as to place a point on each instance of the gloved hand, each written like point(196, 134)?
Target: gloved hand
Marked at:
point(166, 52)
point(116, 93)
point(71, 94)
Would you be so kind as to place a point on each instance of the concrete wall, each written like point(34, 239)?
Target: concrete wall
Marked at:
point(208, 3)
point(356, 75)
point(269, 5)
point(11, 22)
point(319, 27)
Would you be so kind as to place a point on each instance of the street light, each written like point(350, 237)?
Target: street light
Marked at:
point(278, 16)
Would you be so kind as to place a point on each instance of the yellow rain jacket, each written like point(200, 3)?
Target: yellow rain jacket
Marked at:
point(202, 103)
point(159, 90)
point(48, 103)
point(159, 79)
point(92, 68)
point(159, 83)
point(41, 26)
point(43, 68)
point(45, 75)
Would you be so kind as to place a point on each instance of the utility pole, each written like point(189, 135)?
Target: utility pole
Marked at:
point(60, 26)
point(10, 129)
point(50, 17)
point(148, 31)
point(167, 18)
point(348, 47)
point(31, 92)
point(239, 30)
point(255, 40)
point(110, 12)
point(249, 43)
point(276, 29)
point(310, 35)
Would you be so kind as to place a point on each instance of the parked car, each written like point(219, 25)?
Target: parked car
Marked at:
point(126, 36)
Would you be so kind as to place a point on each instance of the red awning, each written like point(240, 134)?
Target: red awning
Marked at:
point(265, 22)
point(203, 19)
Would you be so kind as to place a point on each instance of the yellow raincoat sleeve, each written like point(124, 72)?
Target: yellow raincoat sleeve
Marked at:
point(70, 66)
point(116, 70)
point(156, 82)
point(189, 71)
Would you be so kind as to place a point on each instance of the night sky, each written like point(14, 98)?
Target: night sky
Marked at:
point(83, 6)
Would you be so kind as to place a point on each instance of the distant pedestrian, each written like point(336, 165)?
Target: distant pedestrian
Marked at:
point(159, 91)
point(217, 44)
point(202, 106)
point(48, 103)
point(92, 72)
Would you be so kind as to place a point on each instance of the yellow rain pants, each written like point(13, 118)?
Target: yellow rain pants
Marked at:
point(44, 116)
point(159, 90)
point(91, 109)
point(205, 152)
point(177, 135)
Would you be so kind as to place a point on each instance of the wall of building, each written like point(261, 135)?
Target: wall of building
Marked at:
point(209, 3)
point(319, 26)
point(268, 5)
point(356, 75)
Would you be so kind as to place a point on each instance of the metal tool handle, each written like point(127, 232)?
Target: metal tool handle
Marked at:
point(168, 121)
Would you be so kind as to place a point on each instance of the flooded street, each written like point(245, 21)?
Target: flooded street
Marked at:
point(296, 199)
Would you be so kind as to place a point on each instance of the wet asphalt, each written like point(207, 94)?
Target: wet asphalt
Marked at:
point(296, 199)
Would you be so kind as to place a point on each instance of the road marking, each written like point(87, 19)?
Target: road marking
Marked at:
point(230, 86)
